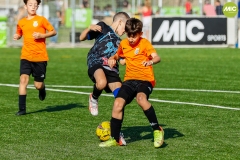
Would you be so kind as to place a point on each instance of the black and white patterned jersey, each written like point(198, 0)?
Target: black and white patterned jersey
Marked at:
point(105, 45)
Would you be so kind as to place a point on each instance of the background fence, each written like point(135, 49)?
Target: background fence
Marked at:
point(85, 12)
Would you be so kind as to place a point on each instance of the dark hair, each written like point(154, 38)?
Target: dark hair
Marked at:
point(133, 27)
point(38, 1)
point(120, 15)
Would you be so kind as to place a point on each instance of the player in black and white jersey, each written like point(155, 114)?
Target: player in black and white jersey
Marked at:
point(107, 39)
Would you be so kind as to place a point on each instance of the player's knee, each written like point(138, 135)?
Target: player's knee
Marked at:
point(118, 106)
point(24, 80)
point(38, 86)
point(141, 99)
point(101, 84)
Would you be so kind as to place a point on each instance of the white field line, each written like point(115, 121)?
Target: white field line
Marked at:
point(162, 89)
point(110, 95)
point(194, 104)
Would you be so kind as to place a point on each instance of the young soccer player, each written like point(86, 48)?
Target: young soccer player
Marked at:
point(138, 81)
point(34, 55)
point(106, 43)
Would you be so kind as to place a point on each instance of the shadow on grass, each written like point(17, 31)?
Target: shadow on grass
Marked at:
point(137, 133)
point(59, 108)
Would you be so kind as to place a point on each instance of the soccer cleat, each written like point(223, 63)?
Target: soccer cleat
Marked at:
point(109, 143)
point(122, 141)
point(21, 112)
point(42, 94)
point(158, 137)
point(93, 105)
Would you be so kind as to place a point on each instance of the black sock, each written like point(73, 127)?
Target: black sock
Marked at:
point(96, 92)
point(152, 118)
point(22, 102)
point(116, 125)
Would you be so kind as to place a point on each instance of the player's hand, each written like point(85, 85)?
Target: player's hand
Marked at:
point(16, 37)
point(147, 63)
point(111, 62)
point(122, 61)
point(37, 35)
point(95, 27)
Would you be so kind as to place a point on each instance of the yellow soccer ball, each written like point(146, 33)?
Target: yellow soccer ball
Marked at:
point(103, 131)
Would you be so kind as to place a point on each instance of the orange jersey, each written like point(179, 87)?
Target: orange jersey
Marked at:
point(134, 57)
point(34, 50)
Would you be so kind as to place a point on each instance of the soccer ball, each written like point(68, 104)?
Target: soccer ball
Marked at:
point(103, 131)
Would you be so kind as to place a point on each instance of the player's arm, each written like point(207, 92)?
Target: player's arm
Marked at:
point(38, 35)
point(16, 36)
point(155, 59)
point(46, 25)
point(118, 56)
point(18, 33)
point(84, 34)
point(50, 34)
point(113, 60)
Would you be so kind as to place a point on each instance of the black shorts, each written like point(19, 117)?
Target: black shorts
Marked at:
point(131, 88)
point(37, 69)
point(111, 76)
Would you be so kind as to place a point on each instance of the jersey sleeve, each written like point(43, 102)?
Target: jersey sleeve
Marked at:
point(19, 30)
point(94, 34)
point(119, 51)
point(149, 48)
point(47, 25)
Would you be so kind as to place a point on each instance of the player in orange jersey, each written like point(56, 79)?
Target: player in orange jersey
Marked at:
point(34, 55)
point(138, 81)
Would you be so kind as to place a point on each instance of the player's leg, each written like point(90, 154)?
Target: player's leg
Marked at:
point(25, 71)
point(143, 92)
point(97, 75)
point(40, 86)
point(125, 96)
point(115, 124)
point(115, 87)
point(101, 82)
point(39, 74)
point(114, 82)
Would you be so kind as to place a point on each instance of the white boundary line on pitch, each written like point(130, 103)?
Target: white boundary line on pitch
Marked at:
point(110, 95)
point(162, 89)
